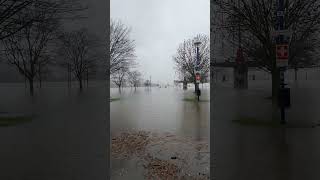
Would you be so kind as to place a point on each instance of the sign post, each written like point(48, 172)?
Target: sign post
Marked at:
point(197, 72)
point(282, 57)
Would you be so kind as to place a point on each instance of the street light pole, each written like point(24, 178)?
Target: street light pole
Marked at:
point(197, 72)
point(282, 54)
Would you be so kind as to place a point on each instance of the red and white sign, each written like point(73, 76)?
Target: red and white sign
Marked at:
point(282, 53)
point(240, 57)
point(198, 77)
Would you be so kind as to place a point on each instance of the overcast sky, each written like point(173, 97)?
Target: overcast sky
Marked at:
point(158, 27)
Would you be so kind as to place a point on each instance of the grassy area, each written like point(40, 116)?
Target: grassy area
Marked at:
point(249, 121)
point(195, 99)
point(11, 121)
point(114, 99)
point(268, 98)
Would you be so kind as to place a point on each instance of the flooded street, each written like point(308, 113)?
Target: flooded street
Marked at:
point(164, 109)
point(66, 138)
point(246, 151)
point(164, 129)
point(172, 117)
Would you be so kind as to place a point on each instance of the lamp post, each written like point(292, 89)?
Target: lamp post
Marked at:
point(282, 55)
point(197, 72)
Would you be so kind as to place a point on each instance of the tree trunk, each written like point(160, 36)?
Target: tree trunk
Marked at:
point(69, 76)
point(306, 76)
point(39, 75)
point(275, 84)
point(87, 78)
point(40, 80)
point(25, 82)
point(31, 86)
point(80, 83)
point(119, 88)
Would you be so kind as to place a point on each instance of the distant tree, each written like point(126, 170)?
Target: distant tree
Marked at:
point(185, 58)
point(78, 49)
point(43, 67)
point(134, 78)
point(119, 77)
point(122, 48)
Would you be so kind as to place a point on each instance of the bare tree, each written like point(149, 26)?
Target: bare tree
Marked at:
point(134, 78)
point(27, 48)
point(78, 49)
point(122, 48)
point(119, 77)
point(10, 13)
point(43, 67)
point(186, 56)
point(256, 19)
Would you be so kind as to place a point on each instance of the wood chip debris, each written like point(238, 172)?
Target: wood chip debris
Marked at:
point(128, 144)
point(154, 152)
point(161, 169)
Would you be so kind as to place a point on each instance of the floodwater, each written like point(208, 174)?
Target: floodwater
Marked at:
point(162, 110)
point(245, 152)
point(65, 140)
point(49, 147)
point(165, 109)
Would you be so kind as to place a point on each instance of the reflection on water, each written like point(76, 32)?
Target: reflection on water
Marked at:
point(249, 152)
point(65, 140)
point(162, 111)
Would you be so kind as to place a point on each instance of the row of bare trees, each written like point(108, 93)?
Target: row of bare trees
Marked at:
point(79, 51)
point(256, 20)
point(122, 56)
point(32, 38)
point(124, 76)
point(185, 59)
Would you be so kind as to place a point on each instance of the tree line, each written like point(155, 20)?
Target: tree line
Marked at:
point(122, 56)
point(33, 39)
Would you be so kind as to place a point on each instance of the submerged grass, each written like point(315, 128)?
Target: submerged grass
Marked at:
point(114, 99)
point(249, 121)
point(195, 99)
point(11, 121)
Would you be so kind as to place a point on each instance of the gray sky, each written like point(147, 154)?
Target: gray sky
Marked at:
point(158, 27)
